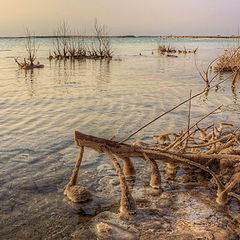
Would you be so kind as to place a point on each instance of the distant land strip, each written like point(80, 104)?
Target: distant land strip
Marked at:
point(217, 36)
point(127, 36)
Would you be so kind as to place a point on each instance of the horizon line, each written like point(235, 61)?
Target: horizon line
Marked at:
point(127, 36)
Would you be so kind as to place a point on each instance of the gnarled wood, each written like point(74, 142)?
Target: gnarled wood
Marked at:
point(125, 152)
point(128, 168)
point(223, 196)
point(155, 181)
point(73, 192)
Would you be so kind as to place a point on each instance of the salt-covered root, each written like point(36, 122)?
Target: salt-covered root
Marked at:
point(111, 231)
point(128, 168)
point(77, 194)
point(155, 181)
point(163, 139)
point(140, 143)
point(127, 204)
point(73, 192)
point(171, 170)
point(224, 196)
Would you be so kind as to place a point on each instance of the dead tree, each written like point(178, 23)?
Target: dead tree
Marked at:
point(61, 41)
point(103, 47)
point(31, 48)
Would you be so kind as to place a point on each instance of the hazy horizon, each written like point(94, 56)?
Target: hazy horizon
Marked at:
point(136, 17)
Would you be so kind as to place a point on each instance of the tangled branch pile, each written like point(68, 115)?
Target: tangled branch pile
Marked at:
point(229, 61)
point(162, 49)
point(216, 149)
point(166, 48)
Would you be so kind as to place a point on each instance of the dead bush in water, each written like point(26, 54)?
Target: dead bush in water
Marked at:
point(166, 46)
point(101, 48)
point(229, 61)
point(61, 41)
point(162, 49)
point(31, 49)
point(69, 46)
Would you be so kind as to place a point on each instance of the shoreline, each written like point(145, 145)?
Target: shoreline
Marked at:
point(132, 36)
point(217, 36)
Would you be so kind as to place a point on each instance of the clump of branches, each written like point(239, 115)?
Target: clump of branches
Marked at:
point(61, 42)
point(31, 49)
point(101, 47)
point(68, 46)
point(210, 149)
point(165, 47)
point(229, 61)
point(214, 148)
point(77, 48)
point(162, 49)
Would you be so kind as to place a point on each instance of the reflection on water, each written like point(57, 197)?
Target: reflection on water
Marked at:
point(30, 78)
point(41, 108)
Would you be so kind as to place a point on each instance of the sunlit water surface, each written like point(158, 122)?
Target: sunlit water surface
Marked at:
point(41, 109)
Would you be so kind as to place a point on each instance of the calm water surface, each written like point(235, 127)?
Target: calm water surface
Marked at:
point(41, 109)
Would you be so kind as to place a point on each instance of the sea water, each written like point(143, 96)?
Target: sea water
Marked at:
point(41, 108)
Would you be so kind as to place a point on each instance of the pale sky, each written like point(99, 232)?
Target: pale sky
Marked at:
point(138, 17)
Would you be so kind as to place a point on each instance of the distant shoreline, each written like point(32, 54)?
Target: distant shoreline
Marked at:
point(130, 36)
point(217, 36)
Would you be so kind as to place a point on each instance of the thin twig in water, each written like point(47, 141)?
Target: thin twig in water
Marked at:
point(180, 104)
point(174, 142)
point(189, 119)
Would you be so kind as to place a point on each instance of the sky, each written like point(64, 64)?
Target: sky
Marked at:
point(122, 17)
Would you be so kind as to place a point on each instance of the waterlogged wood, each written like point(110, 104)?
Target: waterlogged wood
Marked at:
point(128, 168)
point(223, 196)
point(73, 180)
point(73, 192)
point(126, 150)
point(155, 181)
point(120, 149)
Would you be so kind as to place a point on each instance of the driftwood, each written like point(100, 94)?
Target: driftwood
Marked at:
point(229, 61)
point(126, 150)
point(73, 192)
point(115, 150)
point(214, 149)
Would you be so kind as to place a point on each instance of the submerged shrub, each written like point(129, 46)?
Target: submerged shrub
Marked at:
point(229, 61)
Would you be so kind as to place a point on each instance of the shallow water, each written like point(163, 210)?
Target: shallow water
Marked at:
point(41, 109)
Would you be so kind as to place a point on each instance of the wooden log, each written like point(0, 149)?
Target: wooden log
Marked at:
point(125, 150)
point(120, 149)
